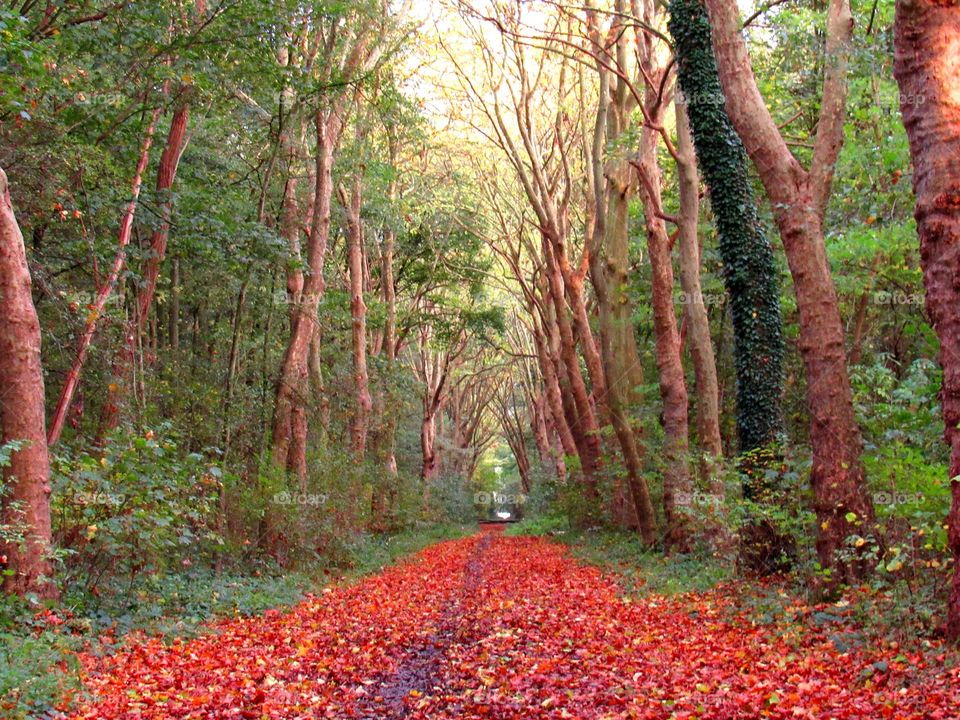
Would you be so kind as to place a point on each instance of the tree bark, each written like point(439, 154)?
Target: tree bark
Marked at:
point(673, 387)
point(798, 198)
point(105, 290)
point(927, 69)
point(608, 197)
point(173, 320)
point(124, 358)
point(695, 310)
point(27, 477)
point(289, 415)
point(554, 395)
point(363, 403)
point(585, 431)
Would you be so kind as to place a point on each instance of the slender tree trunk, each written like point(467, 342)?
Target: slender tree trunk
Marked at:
point(428, 447)
point(695, 310)
point(673, 387)
point(27, 477)
point(288, 443)
point(363, 403)
point(860, 315)
point(538, 426)
point(232, 368)
point(382, 504)
point(927, 69)
point(586, 431)
point(317, 384)
point(124, 358)
point(554, 396)
point(389, 347)
point(591, 353)
point(173, 320)
point(105, 290)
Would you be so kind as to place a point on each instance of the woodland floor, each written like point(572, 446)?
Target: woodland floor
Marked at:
point(506, 627)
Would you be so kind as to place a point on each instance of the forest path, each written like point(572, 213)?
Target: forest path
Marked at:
point(503, 627)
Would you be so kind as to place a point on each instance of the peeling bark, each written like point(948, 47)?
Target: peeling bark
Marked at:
point(927, 69)
point(27, 477)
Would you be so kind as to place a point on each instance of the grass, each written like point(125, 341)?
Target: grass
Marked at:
point(640, 570)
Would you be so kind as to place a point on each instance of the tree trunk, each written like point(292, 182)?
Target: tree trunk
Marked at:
point(860, 315)
point(554, 395)
point(585, 431)
point(317, 385)
point(233, 362)
point(798, 198)
point(608, 194)
point(105, 290)
point(749, 270)
point(695, 310)
point(173, 320)
point(289, 416)
point(622, 363)
point(428, 448)
point(27, 477)
point(677, 482)
point(124, 358)
point(363, 403)
point(927, 69)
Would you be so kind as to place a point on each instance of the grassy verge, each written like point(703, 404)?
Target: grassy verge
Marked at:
point(640, 570)
point(37, 649)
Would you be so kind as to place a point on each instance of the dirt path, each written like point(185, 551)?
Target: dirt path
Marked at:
point(497, 627)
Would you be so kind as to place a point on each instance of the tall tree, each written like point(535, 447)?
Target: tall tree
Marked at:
point(106, 288)
point(610, 187)
point(123, 360)
point(363, 403)
point(694, 307)
point(927, 69)
point(26, 500)
point(799, 198)
point(343, 48)
point(749, 271)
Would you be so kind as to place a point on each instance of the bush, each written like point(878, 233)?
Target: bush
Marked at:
point(38, 668)
point(139, 506)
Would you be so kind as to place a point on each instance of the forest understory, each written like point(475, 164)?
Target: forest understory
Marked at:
point(513, 627)
point(300, 300)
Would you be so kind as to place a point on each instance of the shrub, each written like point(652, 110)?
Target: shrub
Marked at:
point(139, 506)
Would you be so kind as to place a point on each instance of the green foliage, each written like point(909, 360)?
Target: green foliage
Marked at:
point(537, 525)
point(138, 506)
point(641, 570)
point(38, 669)
point(11, 531)
point(749, 270)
